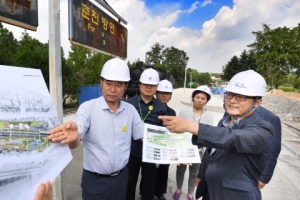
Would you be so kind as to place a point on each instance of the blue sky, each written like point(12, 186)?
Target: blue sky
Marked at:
point(209, 31)
point(192, 20)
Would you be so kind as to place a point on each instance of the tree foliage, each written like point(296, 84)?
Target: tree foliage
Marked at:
point(231, 68)
point(204, 78)
point(154, 56)
point(8, 46)
point(237, 64)
point(86, 64)
point(276, 52)
point(171, 59)
point(32, 53)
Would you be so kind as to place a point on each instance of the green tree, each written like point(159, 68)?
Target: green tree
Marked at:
point(275, 50)
point(237, 64)
point(87, 64)
point(217, 75)
point(231, 68)
point(175, 61)
point(31, 53)
point(69, 81)
point(247, 61)
point(8, 46)
point(204, 78)
point(154, 56)
point(295, 50)
point(170, 59)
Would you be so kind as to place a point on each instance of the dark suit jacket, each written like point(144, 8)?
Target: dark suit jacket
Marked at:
point(275, 148)
point(233, 169)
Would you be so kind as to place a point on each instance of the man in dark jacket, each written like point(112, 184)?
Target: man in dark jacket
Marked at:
point(270, 162)
point(238, 147)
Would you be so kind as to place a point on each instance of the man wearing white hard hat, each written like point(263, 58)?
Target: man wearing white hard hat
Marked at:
point(105, 126)
point(149, 109)
point(238, 147)
point(163, 94)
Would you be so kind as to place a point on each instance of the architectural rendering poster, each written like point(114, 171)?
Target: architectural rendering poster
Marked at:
point(27, 157)
point(163, 147)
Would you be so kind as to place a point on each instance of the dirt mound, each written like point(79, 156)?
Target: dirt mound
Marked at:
point(290, 95)
point(287, 109)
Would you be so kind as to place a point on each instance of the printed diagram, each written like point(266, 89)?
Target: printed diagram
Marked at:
point(162, 146)
point(20, 101)
point(27, 157)
point(26, 154)
point(167, 139)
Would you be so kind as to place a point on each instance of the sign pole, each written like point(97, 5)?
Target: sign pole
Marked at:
point(184, 79)
point(55, 74)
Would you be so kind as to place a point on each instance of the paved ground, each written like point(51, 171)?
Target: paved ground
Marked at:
point(285, 183)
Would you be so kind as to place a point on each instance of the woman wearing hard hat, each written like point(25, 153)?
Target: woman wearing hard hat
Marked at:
point(240, 143)
point(105, 126)
point(163, 94)
point(149, 109)
point(200, 96)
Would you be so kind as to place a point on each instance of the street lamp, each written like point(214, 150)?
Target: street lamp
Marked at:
point(184, 79)
point(191, 80)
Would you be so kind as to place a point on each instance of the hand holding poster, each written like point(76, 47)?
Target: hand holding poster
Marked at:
point(163, 147)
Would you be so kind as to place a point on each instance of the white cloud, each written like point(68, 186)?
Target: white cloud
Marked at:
point(209, 48)
point(193, 7)
point(206, 2)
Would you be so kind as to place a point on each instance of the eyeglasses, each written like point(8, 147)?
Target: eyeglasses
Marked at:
point(148, 85)
point(238, 97)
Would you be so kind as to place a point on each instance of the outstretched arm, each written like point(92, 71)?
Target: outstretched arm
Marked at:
point(66, 134)
point(180, 125)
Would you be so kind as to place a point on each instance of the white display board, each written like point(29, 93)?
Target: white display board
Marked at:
point(27, 157)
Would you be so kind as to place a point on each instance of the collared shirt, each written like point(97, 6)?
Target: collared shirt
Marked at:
point(106, 135)
point(158, 109)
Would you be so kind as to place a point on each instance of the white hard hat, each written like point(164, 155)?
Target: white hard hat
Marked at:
point(165, 86)
point(150, 77)
point(115, 70)
point(204, 89)
point(248, 83)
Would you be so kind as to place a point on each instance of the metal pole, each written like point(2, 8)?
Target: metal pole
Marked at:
point(191, 80)
point(55, 74)
point(184, 80)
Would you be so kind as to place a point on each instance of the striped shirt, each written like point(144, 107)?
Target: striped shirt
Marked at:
point(106, 135)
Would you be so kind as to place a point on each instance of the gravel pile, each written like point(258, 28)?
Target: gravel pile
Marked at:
point(287, 109)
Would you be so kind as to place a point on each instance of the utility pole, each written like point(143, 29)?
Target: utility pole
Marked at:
point(191, 80)
point(55, 74)
point(184, 79)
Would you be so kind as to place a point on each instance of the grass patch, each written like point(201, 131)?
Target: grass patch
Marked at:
point(288, 89)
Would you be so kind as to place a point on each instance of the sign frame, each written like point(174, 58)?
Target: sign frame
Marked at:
point(92, 28)
point(21, 13)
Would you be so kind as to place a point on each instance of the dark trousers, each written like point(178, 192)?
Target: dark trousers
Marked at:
point(162, 179)
point(147, 185)
point(95, 187)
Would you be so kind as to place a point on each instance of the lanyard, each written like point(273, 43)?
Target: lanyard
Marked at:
point(141, 114)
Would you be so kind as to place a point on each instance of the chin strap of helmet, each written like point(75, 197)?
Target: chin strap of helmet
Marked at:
point(253, 107)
